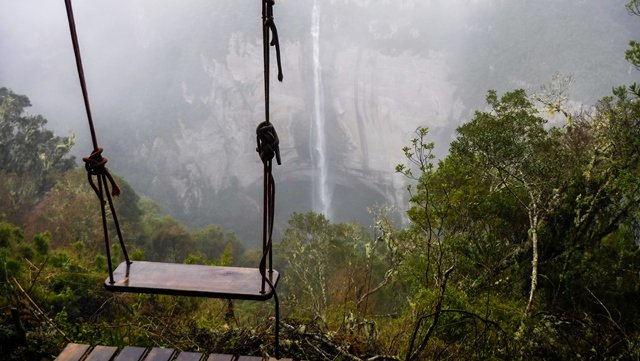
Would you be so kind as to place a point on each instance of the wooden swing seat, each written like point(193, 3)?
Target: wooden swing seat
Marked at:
point(192, 280)
point(257, 284)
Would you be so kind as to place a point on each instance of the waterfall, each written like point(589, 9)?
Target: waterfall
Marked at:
point(321, 198)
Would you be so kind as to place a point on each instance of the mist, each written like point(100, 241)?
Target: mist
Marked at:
point(176, 88)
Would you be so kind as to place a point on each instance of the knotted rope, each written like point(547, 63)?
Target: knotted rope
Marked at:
point(268, 148)
point(95, 164)
point(268, 142)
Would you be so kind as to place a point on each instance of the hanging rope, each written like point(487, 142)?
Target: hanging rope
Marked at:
point(95, 164)
point(76, 50)
point(269, 28)
point(268, 148)
point(267, 138)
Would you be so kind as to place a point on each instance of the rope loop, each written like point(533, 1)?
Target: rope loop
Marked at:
point(275, 41)
point(95, 165)
point(268, 142)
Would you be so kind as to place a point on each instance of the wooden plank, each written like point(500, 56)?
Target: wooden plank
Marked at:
point(102, 353)
point(130, 353)
point(159, 354)
point(220, 357)
point(73, 352)
point(191, 280)
point(249, 358)
point(189, 356)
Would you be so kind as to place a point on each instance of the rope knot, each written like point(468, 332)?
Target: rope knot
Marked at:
point(95, 164)
point(268, 142)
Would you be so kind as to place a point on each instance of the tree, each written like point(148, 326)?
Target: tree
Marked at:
point(170, 241)
point(30, 155)
point(69, 211)
point(633, 52)
point(520, 156)
point(514, 191)
point(595, 228)
point(310, 248)
point(335, 267)
point(214, 242)
point(456, 224)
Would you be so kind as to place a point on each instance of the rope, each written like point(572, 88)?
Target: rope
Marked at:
point(268, 148)
point(267, 140)
point(269, 27)
point(83, 85)
point(275, 41)
point(95, 164)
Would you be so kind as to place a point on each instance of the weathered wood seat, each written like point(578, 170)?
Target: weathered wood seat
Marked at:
point(79, 352)
point(192, 280)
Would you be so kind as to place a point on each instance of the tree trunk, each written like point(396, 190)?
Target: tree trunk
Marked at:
point(533, 233)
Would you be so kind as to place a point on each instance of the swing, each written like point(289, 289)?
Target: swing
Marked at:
point(257, 284)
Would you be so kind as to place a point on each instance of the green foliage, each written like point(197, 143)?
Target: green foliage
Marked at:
point(633, 7)
point(59, 294)
point(309, 247)
point(510, 177)
point(30, 155)
point(336, 274)
point(633, 53)
point(169, 241)
point(9, 235)
point(226, 258)
point(26, 147)
point(217, 244)
point(41, 243)
point(11, 240)
point(419, 154)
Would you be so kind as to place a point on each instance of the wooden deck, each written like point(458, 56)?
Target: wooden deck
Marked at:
point(78, 352)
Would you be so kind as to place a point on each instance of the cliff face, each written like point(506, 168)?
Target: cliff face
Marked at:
point(372, 101)
point(372, 104)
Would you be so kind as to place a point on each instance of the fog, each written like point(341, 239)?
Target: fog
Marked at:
point(176, 88)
